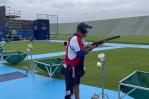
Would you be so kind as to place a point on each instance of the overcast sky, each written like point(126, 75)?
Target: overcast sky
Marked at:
point(80, 10)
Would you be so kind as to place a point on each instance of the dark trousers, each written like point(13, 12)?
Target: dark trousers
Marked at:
point(70, 82)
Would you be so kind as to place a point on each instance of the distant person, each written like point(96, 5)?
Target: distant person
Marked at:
point(74, 60)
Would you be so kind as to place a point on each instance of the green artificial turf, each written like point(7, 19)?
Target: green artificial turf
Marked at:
point(123, 39)
point(120, 63)
point(39, 47)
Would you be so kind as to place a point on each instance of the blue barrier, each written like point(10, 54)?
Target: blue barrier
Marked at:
point(2, 32)
point(25, 33)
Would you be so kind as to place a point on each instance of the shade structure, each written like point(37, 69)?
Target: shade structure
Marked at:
point(51, 65)
point(136, 85)
point(13, 57)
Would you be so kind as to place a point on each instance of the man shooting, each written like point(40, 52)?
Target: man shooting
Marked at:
point(74, 60)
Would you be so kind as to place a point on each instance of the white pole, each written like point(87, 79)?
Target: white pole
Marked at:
point(102, 59)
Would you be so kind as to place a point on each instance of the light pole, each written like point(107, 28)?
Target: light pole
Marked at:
point(102, 60)
point(100, 64)
point(29, 53)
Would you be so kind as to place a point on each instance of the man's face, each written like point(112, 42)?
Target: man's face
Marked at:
point(84, 35)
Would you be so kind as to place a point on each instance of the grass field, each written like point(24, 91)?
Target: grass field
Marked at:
point(39, 47)
point(123, 39)
point(120, 62)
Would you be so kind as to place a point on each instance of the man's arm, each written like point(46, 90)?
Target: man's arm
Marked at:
point(85, 50)
point(82, 53)
point(75, 44)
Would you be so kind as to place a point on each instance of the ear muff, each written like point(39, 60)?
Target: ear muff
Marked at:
point(83, 28)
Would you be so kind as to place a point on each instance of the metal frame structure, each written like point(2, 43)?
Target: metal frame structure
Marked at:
point(13, 20)
point(50, 72)
point(57, 21)
point(47, 16)
point(120, 96)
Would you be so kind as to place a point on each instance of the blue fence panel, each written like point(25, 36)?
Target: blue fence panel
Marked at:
point(25, 33)
point(41, 29)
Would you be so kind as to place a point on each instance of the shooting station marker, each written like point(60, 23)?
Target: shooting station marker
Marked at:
point(11, 76)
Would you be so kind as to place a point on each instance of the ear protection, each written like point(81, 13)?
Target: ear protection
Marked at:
point(83, 28)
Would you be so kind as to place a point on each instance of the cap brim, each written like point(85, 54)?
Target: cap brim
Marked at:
point(88, 26)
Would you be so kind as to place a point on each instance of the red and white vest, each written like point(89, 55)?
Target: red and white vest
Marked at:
point(74, 45)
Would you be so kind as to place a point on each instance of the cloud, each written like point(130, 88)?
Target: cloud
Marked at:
point(2, 2)
point(81, 10)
